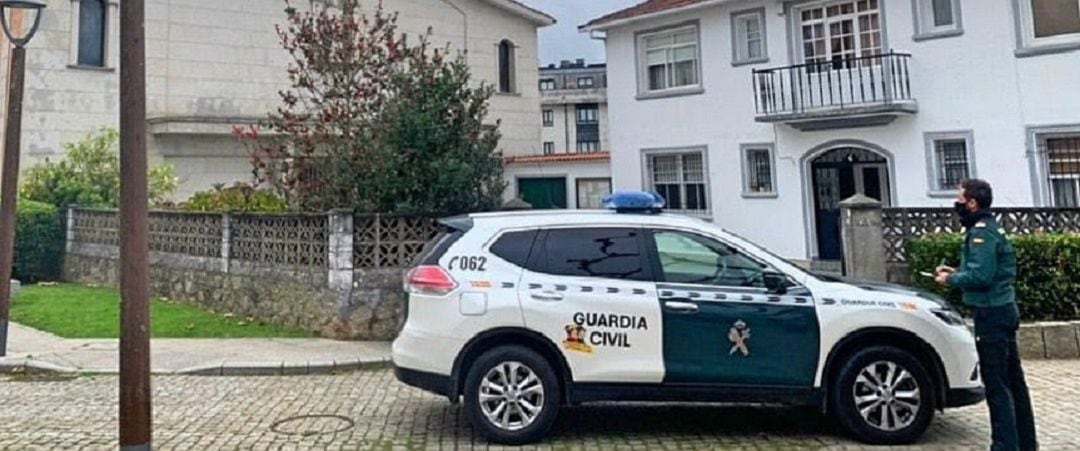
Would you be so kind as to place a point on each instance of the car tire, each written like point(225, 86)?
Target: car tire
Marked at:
point(874, 405)
point(529, 396)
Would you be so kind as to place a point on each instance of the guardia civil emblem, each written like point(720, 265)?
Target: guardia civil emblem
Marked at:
point(739, 335)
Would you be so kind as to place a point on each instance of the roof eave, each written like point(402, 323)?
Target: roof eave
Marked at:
point(535, 16)
point(605, 26)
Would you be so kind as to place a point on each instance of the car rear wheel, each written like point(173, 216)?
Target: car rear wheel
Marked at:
point(883, 396)
point(511, 395)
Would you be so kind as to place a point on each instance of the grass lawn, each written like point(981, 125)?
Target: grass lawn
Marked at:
point(76, 311)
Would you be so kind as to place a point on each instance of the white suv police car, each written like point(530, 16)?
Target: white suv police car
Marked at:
point(521, 313)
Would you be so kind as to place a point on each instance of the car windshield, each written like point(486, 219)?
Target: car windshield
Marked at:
point(747, 244)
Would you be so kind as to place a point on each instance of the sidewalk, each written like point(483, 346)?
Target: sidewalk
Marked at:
point(32, 349)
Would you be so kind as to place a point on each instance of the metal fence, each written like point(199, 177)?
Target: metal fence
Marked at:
point(836, 84)
point(289, 240)
point(900, 225)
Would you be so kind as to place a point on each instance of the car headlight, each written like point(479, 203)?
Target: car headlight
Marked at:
point(949, 317)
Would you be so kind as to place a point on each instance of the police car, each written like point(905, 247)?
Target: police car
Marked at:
point(520, 313)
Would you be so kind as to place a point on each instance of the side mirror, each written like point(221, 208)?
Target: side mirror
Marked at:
point(775, 282)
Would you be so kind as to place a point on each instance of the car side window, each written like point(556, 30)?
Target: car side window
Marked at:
point(612, 253)
point(514, 247)
point(689, 258)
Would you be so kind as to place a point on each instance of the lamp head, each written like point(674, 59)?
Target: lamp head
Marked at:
point(30, 6)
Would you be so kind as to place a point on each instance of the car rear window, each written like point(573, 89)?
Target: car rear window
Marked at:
point(437, 247)
point(514, 247)
point(613, 253)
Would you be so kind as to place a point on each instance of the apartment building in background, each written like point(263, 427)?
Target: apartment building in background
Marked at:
point(214, 65)
point(572, 170)
point(763, 115)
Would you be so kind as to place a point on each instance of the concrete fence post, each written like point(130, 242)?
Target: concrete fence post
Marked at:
point(226, 241)
point(863, 238)
point(340, 254)
point(69, 235)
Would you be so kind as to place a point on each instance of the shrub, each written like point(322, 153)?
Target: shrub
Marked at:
point(89, 175)
point(39, 242)
point(240, 198)
point(1048, 272)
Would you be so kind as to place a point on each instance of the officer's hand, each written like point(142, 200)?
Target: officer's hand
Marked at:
point(944, 269)
point(942, 277)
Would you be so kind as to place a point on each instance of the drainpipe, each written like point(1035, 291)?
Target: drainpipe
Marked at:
point(465, 26)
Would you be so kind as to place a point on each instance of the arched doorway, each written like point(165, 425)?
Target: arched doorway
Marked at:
point(837, 174)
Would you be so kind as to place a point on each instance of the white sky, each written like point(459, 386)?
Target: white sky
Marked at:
point(562, 41)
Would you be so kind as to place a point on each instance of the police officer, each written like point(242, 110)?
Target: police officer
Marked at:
point(986, 273)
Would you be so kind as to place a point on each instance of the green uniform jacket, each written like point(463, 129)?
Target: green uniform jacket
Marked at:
point(987, 267)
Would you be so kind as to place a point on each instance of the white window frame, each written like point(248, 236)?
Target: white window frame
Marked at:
point(739, 44)
point(112, 45)
point(588, 146)
point(647, 176)
point(933, 167)
point(511, 68)
point(1028, 44)
point(923, 12)
point(744, 154)
point(578, 192)
point(1040, 137)
point(643, 66)
point(593, 118)
point(544, 82)
point(591, 82)
point(798, 41)
point(549, 147)
point(545, 115)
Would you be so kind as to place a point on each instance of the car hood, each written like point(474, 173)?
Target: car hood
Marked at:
point(890, 288)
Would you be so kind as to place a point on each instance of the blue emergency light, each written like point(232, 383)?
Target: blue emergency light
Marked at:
point(634, 202)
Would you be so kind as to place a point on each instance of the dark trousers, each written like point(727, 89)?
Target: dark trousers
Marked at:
point(1011, 419)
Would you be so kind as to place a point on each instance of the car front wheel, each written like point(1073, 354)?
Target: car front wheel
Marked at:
point(883, 396)
point(511, 395)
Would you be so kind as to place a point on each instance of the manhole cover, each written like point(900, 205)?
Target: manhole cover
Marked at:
point(307, 425)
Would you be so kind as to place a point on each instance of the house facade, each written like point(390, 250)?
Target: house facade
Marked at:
point(214, 65)
point(762, 115)
point(572, 168)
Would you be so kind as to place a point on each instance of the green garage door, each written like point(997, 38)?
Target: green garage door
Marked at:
point(543, 193)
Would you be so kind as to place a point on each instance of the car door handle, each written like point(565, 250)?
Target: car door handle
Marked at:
point(682, 307)
point(547, 296)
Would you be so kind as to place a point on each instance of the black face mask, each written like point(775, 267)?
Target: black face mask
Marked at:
point(967, 218)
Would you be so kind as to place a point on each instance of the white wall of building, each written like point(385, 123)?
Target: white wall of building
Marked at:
point(970, 82)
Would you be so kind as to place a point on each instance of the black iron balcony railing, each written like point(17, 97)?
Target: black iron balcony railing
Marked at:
point(832, 88)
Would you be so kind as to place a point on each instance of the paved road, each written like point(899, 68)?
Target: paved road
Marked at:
point(378, 413)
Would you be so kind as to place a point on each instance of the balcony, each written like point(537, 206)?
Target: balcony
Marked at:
point(841, 93)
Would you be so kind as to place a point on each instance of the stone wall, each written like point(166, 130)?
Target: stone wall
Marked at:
point(335, 274)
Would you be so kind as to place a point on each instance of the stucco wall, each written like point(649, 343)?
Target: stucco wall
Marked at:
point(969, 82)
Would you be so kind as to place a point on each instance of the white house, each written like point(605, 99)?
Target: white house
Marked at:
point(762, 115)
point(573, 170)
point(215, 64)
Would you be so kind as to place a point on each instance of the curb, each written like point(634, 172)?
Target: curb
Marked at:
point(10, 365)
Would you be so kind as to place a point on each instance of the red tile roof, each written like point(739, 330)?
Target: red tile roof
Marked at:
point(559, 158)
point(641, 9)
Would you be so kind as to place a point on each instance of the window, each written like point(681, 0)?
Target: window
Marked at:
point(936, 18)
point(585, 82)
point(591, 192)
point(1054, 23)
point(549, 148)
point(588, 146)
point(758, 171)
point(588, 113)
point(694, 259)
point(612, 253)
point(547, 84)
point(506, 67)
point(514, 247)
point(838, 32)
point(92, 32)
point(748, 37)
point(680, 179)
point(549, 118)
point(950, 160)
point(670, 60)
point(1063, 167)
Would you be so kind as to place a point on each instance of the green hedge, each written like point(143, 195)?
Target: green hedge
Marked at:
point(39, 242)
point(1048, 273)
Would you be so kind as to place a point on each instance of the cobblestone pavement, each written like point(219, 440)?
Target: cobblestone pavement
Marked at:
point(370, 410)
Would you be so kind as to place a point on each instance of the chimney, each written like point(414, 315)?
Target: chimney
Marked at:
point(565, 63)
point(581, 62)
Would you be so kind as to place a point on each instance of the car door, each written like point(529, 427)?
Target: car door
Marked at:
point(590, 291)
point(720, 323)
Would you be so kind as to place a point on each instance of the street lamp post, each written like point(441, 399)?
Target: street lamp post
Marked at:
point(12, 138)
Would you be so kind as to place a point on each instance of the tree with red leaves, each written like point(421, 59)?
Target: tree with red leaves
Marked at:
point(374, 123)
